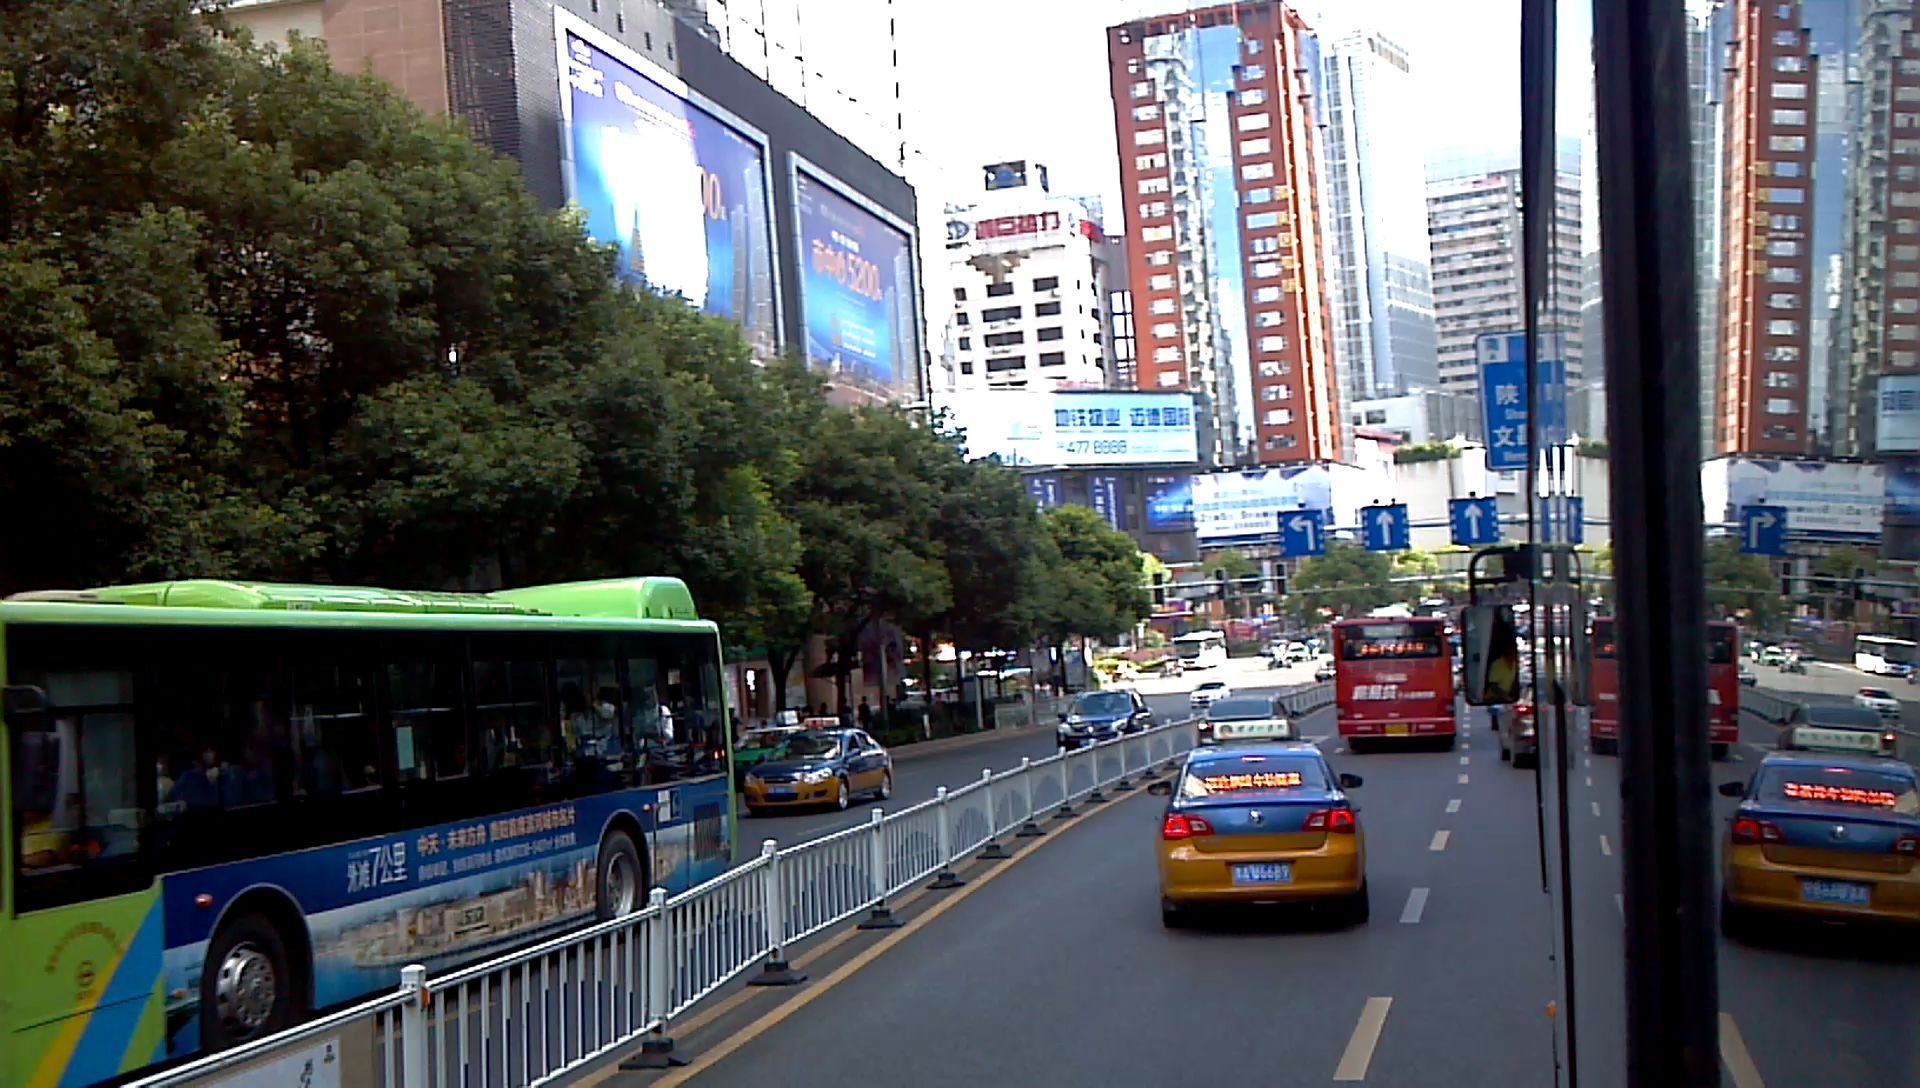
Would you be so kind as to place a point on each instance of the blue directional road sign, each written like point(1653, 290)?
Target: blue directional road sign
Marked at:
point(1303, 533)
point(1560, 517)
point(1763, 530)
point(1504, 396)
point(1386, 527)
point(1474, 521)
point(1576, 521)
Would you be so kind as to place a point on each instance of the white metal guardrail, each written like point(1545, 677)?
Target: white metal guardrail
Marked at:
point(532, 1016)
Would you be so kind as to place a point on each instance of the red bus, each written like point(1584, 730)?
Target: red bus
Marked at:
point(1723, 687)
point(1393, 678)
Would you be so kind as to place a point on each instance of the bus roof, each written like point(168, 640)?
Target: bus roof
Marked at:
point(608, 599)
point(1383, 621)
point(1885, 640)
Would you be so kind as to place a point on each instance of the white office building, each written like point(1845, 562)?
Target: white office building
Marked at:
point(1382, 291)
point(1028, 274)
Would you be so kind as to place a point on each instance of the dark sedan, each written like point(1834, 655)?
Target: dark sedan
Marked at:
point(1095, 716)
point(820, 767)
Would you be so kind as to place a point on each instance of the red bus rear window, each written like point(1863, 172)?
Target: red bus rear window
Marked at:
point(1603, 639)
point(1376, 641)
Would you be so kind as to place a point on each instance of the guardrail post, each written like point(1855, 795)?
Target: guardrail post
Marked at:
point(1094, 796)
point(1123, 784)
point(1065, 811)
point(413, 1026)
point(945, 878)
point(776, 971)
point(656, 1050)
point(881, 916)
point(992, 851)
point(1030, 829)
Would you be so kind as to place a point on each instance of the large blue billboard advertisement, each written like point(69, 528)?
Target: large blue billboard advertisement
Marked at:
point(856, 289)
point(682, 193)
point(1169, 504)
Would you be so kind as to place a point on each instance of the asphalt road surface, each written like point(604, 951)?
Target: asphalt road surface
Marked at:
point(1059, 972)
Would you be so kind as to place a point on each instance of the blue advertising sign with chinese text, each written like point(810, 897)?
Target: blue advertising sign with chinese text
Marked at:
point(1045, 490)
point(1504, 396)
point(1103, 493)
point(1169, 504)
point(856, 288)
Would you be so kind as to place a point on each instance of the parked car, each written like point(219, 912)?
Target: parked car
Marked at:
point(1095, 716)
point(820, 767)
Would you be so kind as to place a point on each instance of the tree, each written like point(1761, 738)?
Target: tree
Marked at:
point(1089, 578)
point(1741, 586)
point(1347, 581)
point(1414, 563)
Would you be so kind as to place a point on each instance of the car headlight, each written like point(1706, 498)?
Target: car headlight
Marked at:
point(752, 779)
point(820, 775)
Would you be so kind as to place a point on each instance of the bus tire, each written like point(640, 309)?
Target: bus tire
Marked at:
point(247, 986)
point(620, 884)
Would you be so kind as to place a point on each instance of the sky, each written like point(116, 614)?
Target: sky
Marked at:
point(992, 80)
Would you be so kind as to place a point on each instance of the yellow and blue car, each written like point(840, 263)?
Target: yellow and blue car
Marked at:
point(1260, 822)
point(1827, 829)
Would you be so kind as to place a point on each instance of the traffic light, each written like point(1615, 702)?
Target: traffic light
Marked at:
point(1859, 583)
point(1786, 585)
point(1220, 582)
point(1160, 587)
point(1279, 580)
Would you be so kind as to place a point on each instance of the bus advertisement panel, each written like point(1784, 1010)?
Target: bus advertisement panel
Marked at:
point(234, 804)
point(1723, 687)
point(1393, 678)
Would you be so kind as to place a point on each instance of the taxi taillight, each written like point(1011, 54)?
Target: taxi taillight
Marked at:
point(1336, 820)
point(1179, 826)
point(1747, 832)
point(1907, 844)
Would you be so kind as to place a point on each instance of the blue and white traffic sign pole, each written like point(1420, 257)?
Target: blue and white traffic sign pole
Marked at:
point(1387, 528)
point(1763, 530)
point(1303, 533)
point(1473, 521)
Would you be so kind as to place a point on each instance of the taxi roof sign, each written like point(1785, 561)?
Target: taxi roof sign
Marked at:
point(1253, 729)
point(1820, 738)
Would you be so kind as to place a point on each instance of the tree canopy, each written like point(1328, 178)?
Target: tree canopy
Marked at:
point(261, 319)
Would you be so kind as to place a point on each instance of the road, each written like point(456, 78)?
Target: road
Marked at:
point(917, 776)
point(1058, 971)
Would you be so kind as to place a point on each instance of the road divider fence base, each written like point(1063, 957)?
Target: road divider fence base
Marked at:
point(656, 1052)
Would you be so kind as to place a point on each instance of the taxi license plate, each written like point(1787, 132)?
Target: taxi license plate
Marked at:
point(1834, 891)
point(1396, 729)
point(780, 795)
point(1264, 873)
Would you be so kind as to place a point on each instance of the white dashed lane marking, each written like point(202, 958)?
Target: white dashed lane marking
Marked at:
point(1453, 805)
point(1440, 840)
point(1416, 905)
point(1605, 846)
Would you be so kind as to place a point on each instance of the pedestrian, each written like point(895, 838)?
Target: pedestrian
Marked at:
point(865, 713)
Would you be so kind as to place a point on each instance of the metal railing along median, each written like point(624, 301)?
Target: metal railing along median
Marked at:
point(537, 1014)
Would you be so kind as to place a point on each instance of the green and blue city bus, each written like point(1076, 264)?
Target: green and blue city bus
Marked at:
point(230, 805)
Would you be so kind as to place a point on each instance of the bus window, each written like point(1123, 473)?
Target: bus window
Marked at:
point(510, 707)
point(429, 728)
point(334, 729)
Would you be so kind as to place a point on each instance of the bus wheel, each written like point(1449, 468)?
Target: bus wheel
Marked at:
point(246, 984)
point(620, 887)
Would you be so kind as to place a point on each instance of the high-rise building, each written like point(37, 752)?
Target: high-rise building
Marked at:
point(1473, 221)
point(1029, 281)
point(1378, 261)
point(1784, 166)
point(1215, 114)
point(1883, 291)
point(1707, 30)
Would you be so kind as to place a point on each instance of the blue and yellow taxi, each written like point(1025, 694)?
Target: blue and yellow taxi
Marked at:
point(1827, 828)
point(1260, 820)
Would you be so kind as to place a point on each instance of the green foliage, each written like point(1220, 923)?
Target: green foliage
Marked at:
point(1425, 451)
point(1233, 562)
point(1347, 581)
point(1741, 587)
point(262, 319)
point(1593, 447)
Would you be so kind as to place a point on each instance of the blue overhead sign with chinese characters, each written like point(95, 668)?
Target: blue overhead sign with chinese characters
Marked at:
point(1473, 521)
point(1504, 396)
point(1763, 530)
point(1387, 527)
point(1303, 533)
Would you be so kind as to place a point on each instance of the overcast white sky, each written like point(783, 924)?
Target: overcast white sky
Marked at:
point(988, 80)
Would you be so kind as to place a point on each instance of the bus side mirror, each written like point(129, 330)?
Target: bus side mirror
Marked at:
point(1491, 642)
point(1733, 789)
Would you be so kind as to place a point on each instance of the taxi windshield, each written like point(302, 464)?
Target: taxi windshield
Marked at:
point(812, 746)
point(1242, 708)
point(1252, 776)
point(1849, 788)
point(1102, 703)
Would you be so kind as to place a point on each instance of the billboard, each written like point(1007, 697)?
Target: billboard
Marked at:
point(1107, 497)
point(1824, 499)
point(1246, 505)
point(1897, 419)
point(1045, 490)
point(1044, 427)
point(857, 294)
point(677, 184)
point(1169, 505)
